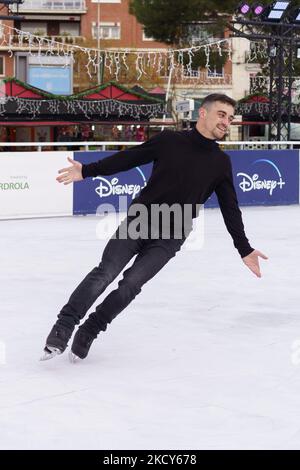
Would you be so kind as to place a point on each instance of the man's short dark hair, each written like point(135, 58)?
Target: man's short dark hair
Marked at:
point(210, 99)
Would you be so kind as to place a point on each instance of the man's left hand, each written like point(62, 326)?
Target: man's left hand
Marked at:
point(252, 262)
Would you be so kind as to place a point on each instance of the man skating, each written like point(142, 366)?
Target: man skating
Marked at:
point(188, 167)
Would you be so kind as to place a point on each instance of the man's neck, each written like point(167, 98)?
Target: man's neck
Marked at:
point(204, 132)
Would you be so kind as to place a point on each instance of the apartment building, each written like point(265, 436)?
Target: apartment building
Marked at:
point(111, 21)
point(105, 24)
point(87, 23)
point(57, 19)
point(118, 29)
point(92, 23)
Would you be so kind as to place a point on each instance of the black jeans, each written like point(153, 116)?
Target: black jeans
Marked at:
point(152, 255)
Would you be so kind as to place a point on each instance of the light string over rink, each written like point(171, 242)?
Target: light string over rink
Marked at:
point(162, 61)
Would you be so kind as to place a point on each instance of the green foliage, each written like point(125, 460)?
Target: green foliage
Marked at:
point(169, 21)
point(199, 59)
point(175, 22)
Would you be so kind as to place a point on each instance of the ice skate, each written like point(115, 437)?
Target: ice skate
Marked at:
point(57, 341)
point(49, 353)
point(73, 358)
point(81, 345)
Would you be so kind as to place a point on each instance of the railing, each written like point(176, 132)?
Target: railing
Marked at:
point(191, 73)
point(51, 5)
point(259, 144)
point(238, 145)
point(215, 74)
point(198, 74)
point(199, 77)
point(262, 83)
point(64, 39)
point(251, 58)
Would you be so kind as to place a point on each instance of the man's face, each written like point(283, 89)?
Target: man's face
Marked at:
point(215, 120)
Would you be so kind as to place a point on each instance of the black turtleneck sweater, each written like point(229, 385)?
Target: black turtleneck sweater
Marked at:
point(187, 169)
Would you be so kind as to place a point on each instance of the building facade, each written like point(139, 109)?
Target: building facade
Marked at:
point(103, 24)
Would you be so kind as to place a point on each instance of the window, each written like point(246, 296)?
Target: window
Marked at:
point(21, 60)
point(35, 27)
point(69, 29)
point(215, 72)
point(147, 38)
point(106, 31)
point(257, 130)
point(198, 34)
point(2, 66)
point(164, 67)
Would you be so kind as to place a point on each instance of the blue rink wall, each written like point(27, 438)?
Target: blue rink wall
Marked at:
point(261, 177)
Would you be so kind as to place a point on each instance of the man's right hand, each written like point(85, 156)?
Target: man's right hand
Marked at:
point(71, 174)
point(252, 262)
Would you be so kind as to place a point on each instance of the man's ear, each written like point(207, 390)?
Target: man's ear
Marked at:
point(202, 112)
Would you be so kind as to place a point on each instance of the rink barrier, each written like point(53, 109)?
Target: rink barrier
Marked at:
point(264, 177)
point(103, 145)
point(28, 187)
point(261, 177)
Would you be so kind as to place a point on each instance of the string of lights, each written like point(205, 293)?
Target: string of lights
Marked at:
point(37, 108)
point(114, 61)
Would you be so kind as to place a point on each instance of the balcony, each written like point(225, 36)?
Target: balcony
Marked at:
point(51, 6)
point(261, 84)
point(206, 77)
point(14, 43)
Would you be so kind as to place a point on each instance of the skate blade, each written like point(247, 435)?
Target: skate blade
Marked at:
point(73, 358)
point(49, 353)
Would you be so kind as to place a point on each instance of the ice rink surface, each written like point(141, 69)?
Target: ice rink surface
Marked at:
point(206, 357)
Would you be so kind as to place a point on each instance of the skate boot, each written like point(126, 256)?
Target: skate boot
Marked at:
point(57, 341)
point(81, 345)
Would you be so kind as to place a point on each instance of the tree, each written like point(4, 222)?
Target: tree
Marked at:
point(179, 22)
point(171, 21)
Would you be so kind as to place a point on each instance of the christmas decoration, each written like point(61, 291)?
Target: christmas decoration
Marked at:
point(114, 60)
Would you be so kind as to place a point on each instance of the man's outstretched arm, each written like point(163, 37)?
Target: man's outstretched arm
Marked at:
point(233, 220)
point(121, 161)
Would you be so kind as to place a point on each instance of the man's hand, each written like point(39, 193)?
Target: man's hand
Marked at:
point(251, 261)
point(70, 174)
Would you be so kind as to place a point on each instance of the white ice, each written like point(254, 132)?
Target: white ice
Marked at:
point(206, 357)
